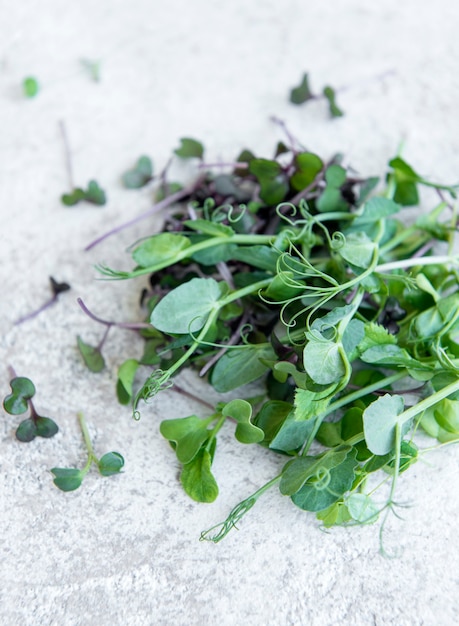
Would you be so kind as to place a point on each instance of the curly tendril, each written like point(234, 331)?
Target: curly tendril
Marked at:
point(156, 382)
point(222, 529)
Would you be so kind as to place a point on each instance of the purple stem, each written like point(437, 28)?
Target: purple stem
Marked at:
point(30, 316)
point(126, 325)
point(159, 206)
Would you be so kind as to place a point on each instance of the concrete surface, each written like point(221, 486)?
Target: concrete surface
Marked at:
point(125, 550)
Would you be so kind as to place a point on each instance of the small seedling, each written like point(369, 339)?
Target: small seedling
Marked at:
point(69, 478)
point(93, 194)
point(302, 93)
point(57, 289)
point(18, 402)
point(140, 175)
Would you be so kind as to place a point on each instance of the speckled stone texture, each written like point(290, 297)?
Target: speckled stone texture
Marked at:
point(125, 550)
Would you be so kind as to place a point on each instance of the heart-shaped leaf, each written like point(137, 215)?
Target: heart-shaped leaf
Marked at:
point(23, 390)
point(380, 420)
point(188, 434)
point(26, 431)
point(140, 175)
point(46, 427)
point(241, 411)
point(189, 149)
point(68, 479)
point(92, 356)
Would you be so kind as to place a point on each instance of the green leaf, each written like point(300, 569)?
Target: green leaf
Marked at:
point(361, 508)
point(240, 366)
point(189, 149)
point(111, 463)
point(296, 473)
point(68, 479)
point(273, 182)
point(334, 515)
point(197, 479)
point(140, 175)
point(327, 486)
point(330, 95)
point(323, 360)
point(331, 199)
point(92, 356)
point(26, 431)
point(261, 257)
point(358, 250)
point(376, 209)
point(159, 249)
point(380, 420)
point(30, 87)
point(390, 354)
point(241, 411)
point(301, 93)
point(271, 417)
point(124, 384)
point(405, 177)
point(74, 197)
point(308, 165)
point(209, 228)
point(45, 427)
point(23, 390)
point(186, 308)
point(292, 433)
point(187, 433)
point(95, 194)
point(375, 335)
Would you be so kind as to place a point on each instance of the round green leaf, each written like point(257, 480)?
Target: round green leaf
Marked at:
point(46, 427)
point(111, 463)
point(26, 431)
point(186, 308)
point(67, 479)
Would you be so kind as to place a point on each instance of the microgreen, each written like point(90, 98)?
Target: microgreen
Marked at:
point(56, 288)
point(140, 175)
point(70, 478)
point(93, 194)
point(302, 93)
point(290, 272)
point(93, 69)
point(30, 87)
point(18, 402)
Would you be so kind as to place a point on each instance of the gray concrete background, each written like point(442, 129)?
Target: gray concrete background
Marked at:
point(125, 550)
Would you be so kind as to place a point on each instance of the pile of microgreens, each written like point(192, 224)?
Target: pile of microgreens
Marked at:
point(293, 272)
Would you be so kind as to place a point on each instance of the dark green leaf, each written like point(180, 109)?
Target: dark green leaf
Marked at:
point(302, 93)
point(68, 479)
point(159, 249)
point(330, 95)
point(297, 472)
point(327, 486)
point(92, 356)
point(94, 194)
point(23, 390)
point(45, 427)
point(190, 149)
point(308, 165)
point(238, 367)
point(111, 463)
point(26, 431)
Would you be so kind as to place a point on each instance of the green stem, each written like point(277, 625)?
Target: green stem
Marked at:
point(414, 262)
point(428, 402)
point(198, 247)
point(87, 440)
